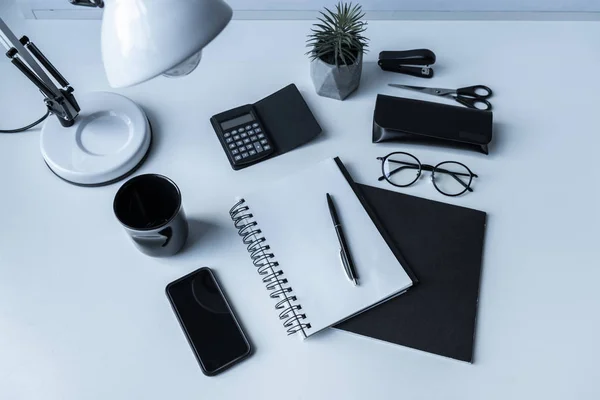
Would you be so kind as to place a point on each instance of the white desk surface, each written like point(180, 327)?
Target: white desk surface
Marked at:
point(83, 314)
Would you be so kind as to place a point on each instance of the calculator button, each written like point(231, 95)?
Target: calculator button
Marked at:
point(228, 140)
point(244, 155)
point(232, 146)
point(252, 152)
point(261, 136)
point(253, 138)
point(250, 132)
point(239, 143)
point(236, 137)
point(241, 129)
point(243, 135)
point(246, 141)
point(249, 147)
point(255, 125)
point(267, 147)
point(248, 127)
point(234, 132)
point(235, 151)
point(258, 147)
point(237, 158)
point(258, 130)
point(226, 135)
point(264, 141)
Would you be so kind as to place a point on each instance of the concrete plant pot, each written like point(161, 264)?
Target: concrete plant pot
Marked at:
point(336, 82)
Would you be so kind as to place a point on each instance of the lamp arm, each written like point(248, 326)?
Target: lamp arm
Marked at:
point(88, 3)
point(31, 62)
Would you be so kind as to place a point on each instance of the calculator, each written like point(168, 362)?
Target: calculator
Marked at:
point(242, 136)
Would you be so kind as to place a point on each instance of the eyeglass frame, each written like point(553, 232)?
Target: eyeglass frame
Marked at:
point(430, 168)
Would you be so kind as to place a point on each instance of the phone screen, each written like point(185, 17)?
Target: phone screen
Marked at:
point(208, 322)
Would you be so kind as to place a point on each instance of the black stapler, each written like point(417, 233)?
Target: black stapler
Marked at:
point(410, 62)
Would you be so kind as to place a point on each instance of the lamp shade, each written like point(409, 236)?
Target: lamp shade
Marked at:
point(142, 39)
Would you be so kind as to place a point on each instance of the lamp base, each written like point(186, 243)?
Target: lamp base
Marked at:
point(109, 140)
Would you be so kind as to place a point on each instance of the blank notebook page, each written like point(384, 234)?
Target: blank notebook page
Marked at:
point(295, 221)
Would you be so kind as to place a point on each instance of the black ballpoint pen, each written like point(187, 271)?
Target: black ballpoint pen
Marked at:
point(345, 250)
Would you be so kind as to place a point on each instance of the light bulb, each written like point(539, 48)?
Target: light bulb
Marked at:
point(185, 67)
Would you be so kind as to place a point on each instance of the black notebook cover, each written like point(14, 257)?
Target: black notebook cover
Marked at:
point(443, 245)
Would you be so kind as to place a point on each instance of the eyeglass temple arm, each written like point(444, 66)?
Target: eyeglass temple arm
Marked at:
point(408, 165)
point(454, 175)
point(428, 167)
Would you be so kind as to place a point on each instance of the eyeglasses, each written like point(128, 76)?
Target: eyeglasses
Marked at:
point(450, 178)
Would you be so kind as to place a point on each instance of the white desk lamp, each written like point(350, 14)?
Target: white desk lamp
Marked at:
point(106, 136)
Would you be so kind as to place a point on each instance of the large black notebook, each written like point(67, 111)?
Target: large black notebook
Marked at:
point(443, 245)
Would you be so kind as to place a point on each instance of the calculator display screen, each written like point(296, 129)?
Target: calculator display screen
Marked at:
point(244, 119)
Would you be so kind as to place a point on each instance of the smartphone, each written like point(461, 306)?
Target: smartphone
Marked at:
point(207, 321)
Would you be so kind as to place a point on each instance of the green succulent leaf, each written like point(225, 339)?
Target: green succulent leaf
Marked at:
point(337, 37)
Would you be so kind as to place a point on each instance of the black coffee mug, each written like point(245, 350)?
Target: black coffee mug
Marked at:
point(149, 208)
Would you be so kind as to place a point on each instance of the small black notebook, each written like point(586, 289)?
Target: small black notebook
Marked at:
point(443, 245)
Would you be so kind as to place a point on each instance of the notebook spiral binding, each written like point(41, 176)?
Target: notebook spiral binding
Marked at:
point(267, 266)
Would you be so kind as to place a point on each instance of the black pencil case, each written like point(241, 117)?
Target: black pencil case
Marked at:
point(415, 121)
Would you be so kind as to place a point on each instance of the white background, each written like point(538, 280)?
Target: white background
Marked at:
point(425, 5)
point(4, 5)
point(83, 314)
point(379, 9)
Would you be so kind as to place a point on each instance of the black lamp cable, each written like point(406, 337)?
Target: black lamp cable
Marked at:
point(39, 121)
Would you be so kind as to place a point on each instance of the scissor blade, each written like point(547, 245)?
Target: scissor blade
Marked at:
point(427, 90)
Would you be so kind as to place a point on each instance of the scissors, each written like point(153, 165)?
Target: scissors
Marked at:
point(467, 96)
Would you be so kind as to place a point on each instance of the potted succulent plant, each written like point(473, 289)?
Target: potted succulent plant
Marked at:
point(336, 46)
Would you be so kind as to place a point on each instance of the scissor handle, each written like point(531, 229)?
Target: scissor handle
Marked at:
point(478, 103)
point(471, 91)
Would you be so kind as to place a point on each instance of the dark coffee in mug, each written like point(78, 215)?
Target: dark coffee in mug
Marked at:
point(149, 208)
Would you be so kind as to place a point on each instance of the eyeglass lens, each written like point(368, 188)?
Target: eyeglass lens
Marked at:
point(451, 178)
point(401, 169)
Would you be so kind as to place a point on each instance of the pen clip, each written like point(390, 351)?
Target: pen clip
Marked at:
point(344, 262)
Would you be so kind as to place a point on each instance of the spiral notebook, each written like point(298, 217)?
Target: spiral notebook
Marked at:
point(289, 234)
